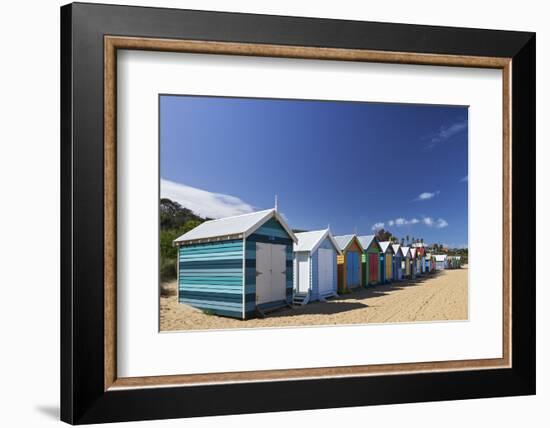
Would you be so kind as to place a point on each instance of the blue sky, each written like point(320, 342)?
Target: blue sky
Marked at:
point(352, 165)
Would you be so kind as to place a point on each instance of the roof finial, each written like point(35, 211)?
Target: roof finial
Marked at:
point(355, 230)
point(276, 203)
point(328, 226)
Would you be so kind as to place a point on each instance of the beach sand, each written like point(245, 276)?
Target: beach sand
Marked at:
point(437, 297)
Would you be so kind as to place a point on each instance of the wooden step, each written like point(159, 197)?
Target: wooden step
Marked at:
point(328, 296)
point(300, 299)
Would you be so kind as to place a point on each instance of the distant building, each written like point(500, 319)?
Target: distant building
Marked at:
point(397, 261)
point(386, 261)
point(422, 263)
point(349, 262)
point(428, 262)
point(453, 262)
point(414, 265)
point(315, 266)
point(440, 261)
point(370, 260)
point(406, 262)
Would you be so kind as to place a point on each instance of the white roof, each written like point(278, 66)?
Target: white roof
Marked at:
point(365, 241)
point(396, 248)
point(310, 241)
point(385, 245)
point(413, 252)
point(343, 241)
point(419, 244)
point(239, 226)
point(440, 257)
point(405, 250)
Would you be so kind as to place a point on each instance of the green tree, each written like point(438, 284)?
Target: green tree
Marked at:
point(383, 235)
point(169, 252)
point(167, 236)
point(175, 220)
point(174, 216)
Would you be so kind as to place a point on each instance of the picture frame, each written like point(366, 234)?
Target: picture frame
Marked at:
point(91, 391)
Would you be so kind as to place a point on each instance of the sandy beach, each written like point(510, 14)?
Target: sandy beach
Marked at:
point(437, 297)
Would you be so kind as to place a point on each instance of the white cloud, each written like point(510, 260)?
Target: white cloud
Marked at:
point(428, 221)
point(378, 226)
point(446, 132)
point(438, 224)
point(400, 221)
point(427, 195)
point(203, 202)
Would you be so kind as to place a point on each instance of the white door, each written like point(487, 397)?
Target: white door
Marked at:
point(278, 272)
point(270, 272)
point(302, 260)
point(263, 273)
point(326, 271)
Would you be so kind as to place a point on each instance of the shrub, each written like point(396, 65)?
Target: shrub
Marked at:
point(168, 269)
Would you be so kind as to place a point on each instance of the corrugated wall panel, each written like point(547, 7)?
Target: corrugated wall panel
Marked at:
point(211, 277)
point(382, 268)
point(326, 244)
point(315, 276)
point(289, 272)
point(389, 264)
point(373, 267)
point(369, 271)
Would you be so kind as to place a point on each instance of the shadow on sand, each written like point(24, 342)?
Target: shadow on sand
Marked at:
point(348, 302)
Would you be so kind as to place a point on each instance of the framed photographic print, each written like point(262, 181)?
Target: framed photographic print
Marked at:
point(272, 213)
